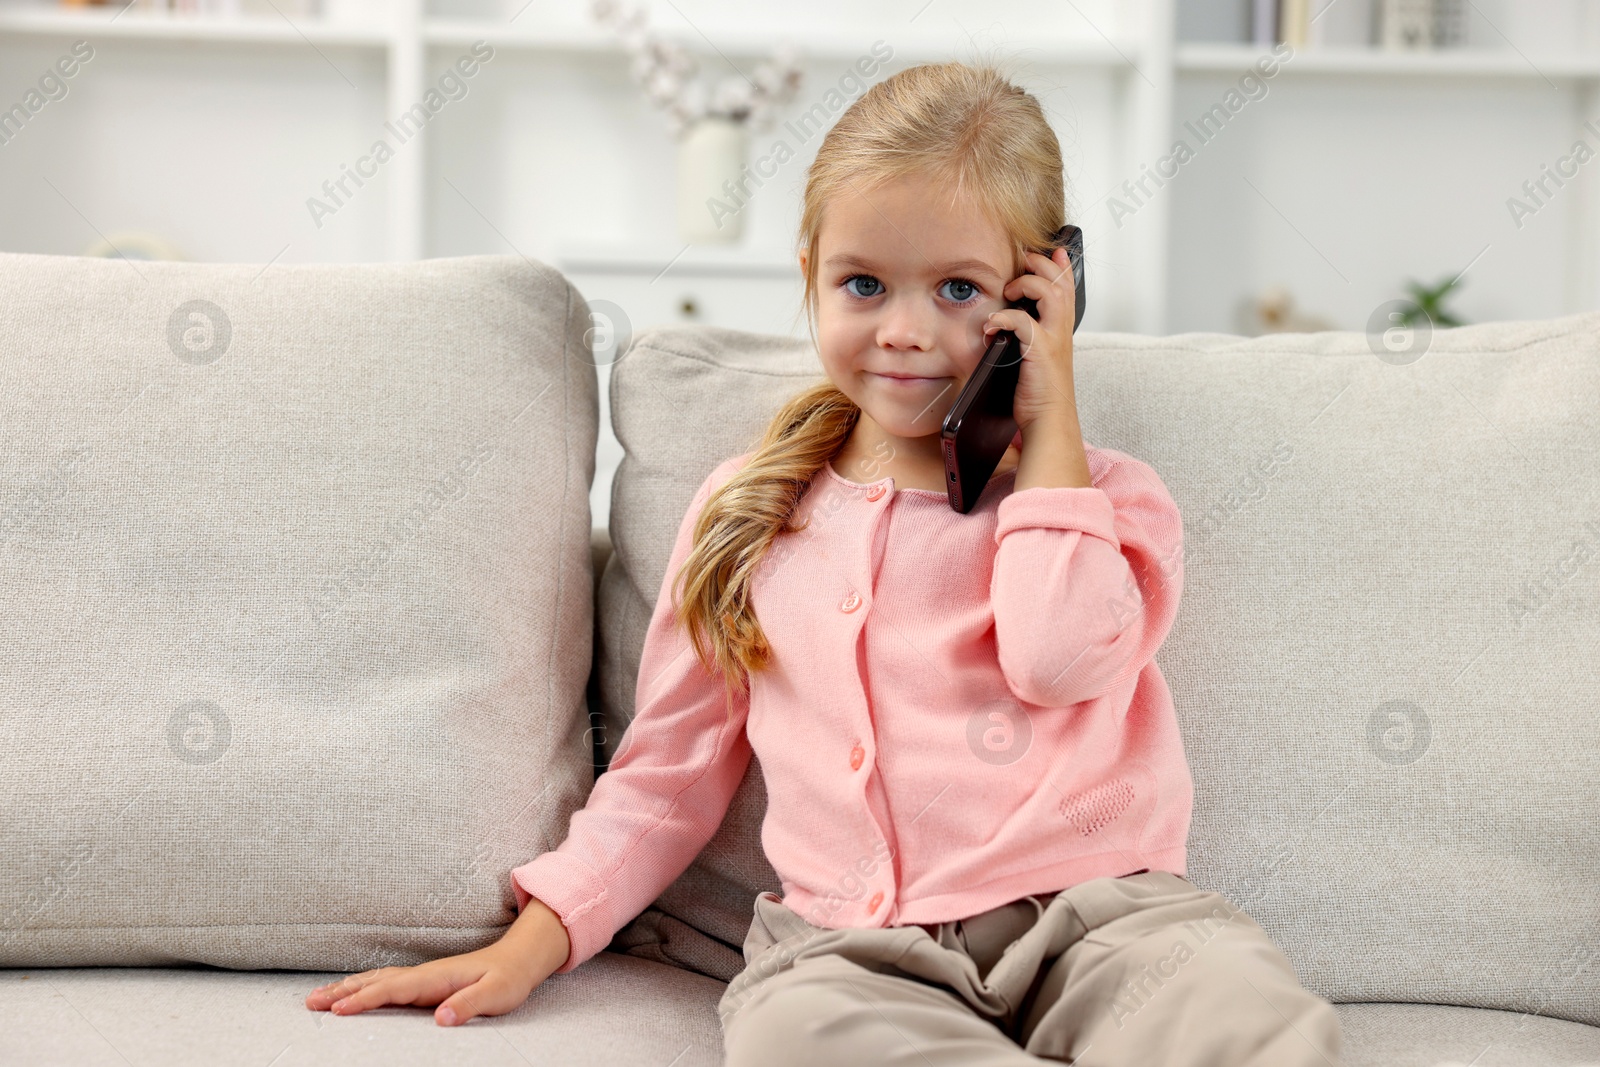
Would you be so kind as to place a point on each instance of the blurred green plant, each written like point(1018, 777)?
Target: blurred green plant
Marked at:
point(1431, 302)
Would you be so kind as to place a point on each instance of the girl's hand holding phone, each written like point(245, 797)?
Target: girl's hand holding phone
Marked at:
point(491, 981)
point(1044, 382)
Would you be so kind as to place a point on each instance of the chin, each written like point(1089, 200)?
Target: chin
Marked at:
point(901, 426)
point(910, 416)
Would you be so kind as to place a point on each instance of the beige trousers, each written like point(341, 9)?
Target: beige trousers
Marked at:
point(1145, 970)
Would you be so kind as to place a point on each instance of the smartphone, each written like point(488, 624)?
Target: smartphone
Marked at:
point(979, 426)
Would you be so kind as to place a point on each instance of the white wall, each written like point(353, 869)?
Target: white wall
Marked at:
point(214, 146)
point(1361, 183)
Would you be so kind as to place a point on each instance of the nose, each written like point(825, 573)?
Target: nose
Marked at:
point(906, 324)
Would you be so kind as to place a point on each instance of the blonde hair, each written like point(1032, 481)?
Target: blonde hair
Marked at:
point(961, 126)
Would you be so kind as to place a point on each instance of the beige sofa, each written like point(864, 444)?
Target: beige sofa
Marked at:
point(305, 654)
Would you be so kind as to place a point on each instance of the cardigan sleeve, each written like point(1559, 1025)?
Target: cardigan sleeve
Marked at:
point(665, 792)
point(1086, 582)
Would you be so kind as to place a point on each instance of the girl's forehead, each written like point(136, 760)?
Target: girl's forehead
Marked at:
point(894, 208)
point(939, 245)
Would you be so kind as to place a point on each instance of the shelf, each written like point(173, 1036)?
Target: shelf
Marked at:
point(1463, 62)
point(126, 24)
point(602, 258)
point(821, 44)
point(814, 44)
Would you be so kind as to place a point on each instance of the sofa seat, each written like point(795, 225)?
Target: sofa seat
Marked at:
point(615, 1009)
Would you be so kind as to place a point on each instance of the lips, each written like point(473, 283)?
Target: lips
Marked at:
point(902, 378)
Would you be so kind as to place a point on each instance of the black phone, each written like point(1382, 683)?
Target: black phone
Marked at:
point(979, 426)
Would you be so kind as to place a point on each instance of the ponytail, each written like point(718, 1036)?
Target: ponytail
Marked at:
point(739, 522)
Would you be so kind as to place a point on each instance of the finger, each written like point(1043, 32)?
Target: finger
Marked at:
point(1055, 267)
point(1029, 285)
point(1014, 319)
point(1017, 322)
point(1044, 276)
point(397, 987)
point(324, 995)
point(1053, 304)
point(476, 999)
point(1068, 284)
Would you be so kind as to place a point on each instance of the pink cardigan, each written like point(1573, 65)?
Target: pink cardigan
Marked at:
point(961, 710)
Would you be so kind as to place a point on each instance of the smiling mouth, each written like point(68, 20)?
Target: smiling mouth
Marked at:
point(907, 380)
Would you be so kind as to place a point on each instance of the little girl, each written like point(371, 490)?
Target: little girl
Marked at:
point(977, 797)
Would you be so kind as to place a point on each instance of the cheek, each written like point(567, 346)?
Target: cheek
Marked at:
point(838, 358)
point(832, 365)
point(844, 323)
point(968, 351)
point(841, 339)
point(967, 339)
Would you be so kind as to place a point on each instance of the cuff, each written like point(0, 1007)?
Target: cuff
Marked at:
point(1084, 508)
point(570, 889)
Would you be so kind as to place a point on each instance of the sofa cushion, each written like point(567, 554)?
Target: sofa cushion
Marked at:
point(1383, 664)
point(1432, 1035)
point(296, 563)
point(614, 1011)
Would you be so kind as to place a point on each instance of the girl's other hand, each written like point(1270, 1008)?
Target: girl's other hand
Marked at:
point(491, 981)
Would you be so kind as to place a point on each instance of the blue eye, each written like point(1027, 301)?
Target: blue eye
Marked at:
point(971, 290)
point(972, 295)
point(865, 277)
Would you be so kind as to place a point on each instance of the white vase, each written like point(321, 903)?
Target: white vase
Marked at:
point(711, 204)
point(1405, 25)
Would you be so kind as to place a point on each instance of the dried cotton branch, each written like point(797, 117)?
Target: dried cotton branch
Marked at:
point(666, 71)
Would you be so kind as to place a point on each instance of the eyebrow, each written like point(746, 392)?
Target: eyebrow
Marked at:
point(970, 266)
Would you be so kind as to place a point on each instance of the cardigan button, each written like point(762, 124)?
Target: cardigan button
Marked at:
point(851, 602)
point(875, 492)
point(857, 754)
point(877, 898)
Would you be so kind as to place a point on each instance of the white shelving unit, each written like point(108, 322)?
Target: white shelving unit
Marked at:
point(406, 39)
point(1455, 63)
point(105, 22)
point(822, 42)
point(1129, 50)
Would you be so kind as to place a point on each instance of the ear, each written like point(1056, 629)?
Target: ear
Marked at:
point(803, 257)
